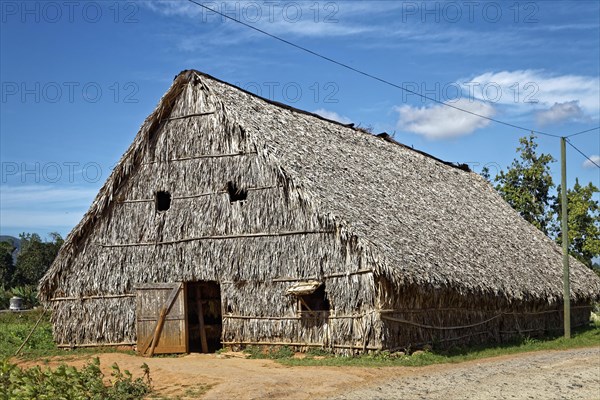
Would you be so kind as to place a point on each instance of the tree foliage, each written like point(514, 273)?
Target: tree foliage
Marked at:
point(6, 263)
point(35, 258)
point(527, 184)
point(583, 222)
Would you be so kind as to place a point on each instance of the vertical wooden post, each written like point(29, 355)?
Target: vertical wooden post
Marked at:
point(203, 341)
point(565, 239)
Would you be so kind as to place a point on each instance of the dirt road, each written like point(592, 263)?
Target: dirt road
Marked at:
point(572, 374)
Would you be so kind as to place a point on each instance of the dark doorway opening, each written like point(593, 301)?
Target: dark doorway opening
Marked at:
point(204, 316)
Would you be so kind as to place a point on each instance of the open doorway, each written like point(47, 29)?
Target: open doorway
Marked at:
point(204, 318)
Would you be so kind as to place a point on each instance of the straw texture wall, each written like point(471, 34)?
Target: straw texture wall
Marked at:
point(383, 226)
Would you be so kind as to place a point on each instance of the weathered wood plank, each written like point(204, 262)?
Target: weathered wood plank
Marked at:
point(167, 330)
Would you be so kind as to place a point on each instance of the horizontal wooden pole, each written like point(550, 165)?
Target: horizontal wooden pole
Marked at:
point(248, 153)
point(477, 310)
point(74, 346)
point(342, 274)
point(167, 318)
point(201, 156)
point(220, 237)
point(191, 115)
point(97, 297)
point(260, 318)
point(441, 328)
point(295, 317)
point(310, 278)
point(292, 279)
point(338, 346)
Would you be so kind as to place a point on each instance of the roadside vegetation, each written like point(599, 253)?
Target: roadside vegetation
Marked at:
point(16, 326)
point(67, 382)
point(64, 381)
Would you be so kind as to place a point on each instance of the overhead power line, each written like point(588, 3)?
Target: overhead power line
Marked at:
point(582, 153)
point(582, 132)
point(341, 64)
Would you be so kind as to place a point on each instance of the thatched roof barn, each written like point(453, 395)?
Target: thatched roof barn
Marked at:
point(235, 220)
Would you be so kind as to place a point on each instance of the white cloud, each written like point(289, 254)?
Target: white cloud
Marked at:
point(560, 112)
point(301, 19)
point(332, 115)
point(538, 89)
point(589, 164)
point(442, 122)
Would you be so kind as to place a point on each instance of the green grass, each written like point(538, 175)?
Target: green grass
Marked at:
point(582, 337)
point(272, 352)
point(14, 328)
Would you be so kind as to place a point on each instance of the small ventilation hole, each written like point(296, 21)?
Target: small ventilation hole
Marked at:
point(163, 201)
point(236, 193)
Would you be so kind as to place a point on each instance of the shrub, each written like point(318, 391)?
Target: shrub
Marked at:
point(68, 382)
point(5, 296)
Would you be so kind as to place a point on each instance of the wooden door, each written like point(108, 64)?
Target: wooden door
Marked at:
point(161, 318)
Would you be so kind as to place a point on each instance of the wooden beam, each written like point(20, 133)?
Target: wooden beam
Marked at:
point(189, 116)
point(95, 297)
point(337, 346)
point(158, 330)
point(74, 346)
point(219, 237)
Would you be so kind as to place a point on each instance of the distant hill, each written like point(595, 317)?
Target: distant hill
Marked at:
point(15, 242)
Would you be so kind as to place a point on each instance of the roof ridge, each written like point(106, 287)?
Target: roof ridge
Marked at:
point(384, 135)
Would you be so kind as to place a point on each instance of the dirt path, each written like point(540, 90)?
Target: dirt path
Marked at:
point(572, 374)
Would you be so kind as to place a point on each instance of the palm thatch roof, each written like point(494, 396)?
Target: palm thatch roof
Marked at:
point(423, 221)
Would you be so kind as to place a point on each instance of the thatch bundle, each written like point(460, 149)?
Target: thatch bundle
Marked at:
point(403, 243)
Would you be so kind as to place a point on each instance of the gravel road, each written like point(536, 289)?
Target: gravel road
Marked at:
point(571, 374)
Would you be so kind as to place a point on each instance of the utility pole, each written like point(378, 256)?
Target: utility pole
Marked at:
point(565, 238)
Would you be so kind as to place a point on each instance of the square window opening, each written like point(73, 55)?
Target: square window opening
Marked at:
point(316, 301)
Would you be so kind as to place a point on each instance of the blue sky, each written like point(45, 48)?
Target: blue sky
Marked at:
point(79, 78)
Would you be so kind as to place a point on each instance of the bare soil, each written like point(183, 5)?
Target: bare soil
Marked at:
point(571, 374)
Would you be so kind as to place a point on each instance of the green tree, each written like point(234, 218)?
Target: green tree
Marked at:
point(35, 258)
point(527, 184)
point(6, 263)
point(583, 222)
point(485, 173)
